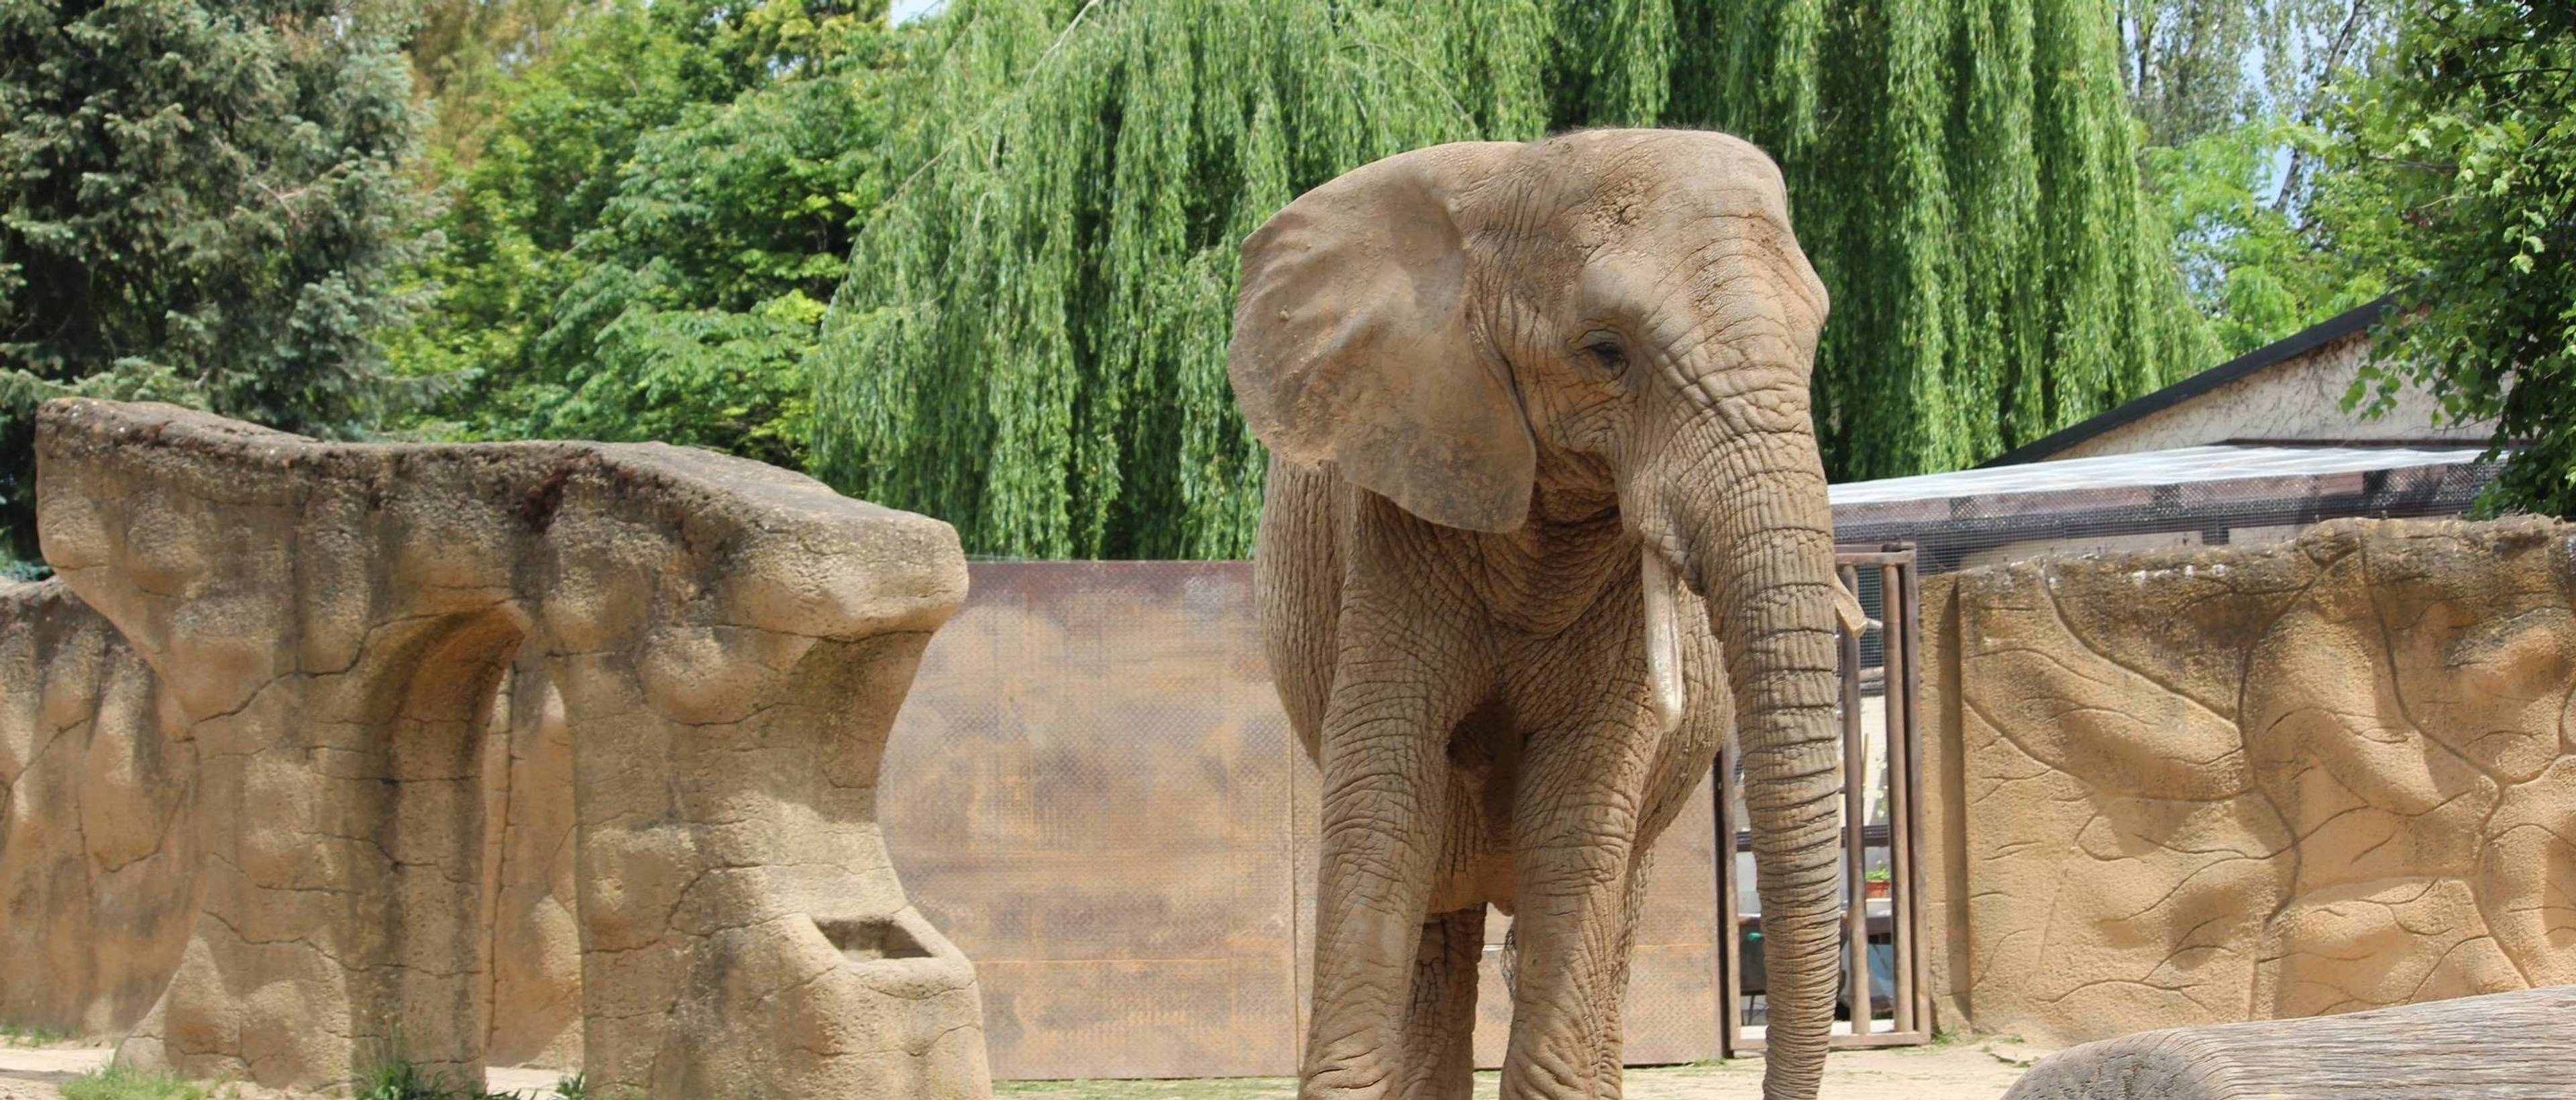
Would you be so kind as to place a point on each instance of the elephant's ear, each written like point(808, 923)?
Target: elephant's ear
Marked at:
point(1351, 343)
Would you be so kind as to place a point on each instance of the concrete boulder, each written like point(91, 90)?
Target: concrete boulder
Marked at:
point(715, 649)
point(2501, 1046)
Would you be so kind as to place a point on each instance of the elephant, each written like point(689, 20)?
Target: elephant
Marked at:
point(1525, 403)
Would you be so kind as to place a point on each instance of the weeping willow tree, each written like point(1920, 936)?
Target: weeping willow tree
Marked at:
point(1032, 341)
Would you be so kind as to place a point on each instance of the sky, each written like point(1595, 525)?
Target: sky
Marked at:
point(906, 9)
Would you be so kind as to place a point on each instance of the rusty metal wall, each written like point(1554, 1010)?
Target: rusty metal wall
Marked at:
point(1093, 791)
point(1089, 790)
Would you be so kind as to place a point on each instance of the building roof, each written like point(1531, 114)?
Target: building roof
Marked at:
point(2222, 462)
point(2251, 363)
point(2213, 493)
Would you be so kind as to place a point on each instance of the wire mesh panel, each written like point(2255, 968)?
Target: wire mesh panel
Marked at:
point(1091, 790)
point(2049, 517)
point(1670, 1014)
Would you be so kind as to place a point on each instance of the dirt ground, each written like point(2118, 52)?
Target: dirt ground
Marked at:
point(37, 1073)
point(1973, 1070)
point(31, 1073)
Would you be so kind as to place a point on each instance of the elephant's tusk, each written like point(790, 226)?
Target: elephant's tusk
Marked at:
point(1663, 644)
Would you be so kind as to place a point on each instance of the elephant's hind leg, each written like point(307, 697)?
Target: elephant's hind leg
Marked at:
point(1440, 1028)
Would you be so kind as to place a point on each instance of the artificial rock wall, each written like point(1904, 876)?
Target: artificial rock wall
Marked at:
point(2198, 787)
point(396, 741)
point(97, 853)
point(98, 860)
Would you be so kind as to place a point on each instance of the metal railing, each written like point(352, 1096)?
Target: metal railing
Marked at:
point(1881, 829)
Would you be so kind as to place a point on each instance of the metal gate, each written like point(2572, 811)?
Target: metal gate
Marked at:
point(1885, 999)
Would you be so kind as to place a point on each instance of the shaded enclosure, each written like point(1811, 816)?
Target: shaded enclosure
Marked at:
point(1093, 792)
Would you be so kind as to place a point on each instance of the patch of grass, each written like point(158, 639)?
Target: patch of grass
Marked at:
point(1956, 1037)
point(30, 1035)
point(1699, 1068)
point(401, 1080)
point(119, 1081)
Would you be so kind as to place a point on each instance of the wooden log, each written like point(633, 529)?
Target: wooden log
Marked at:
point(2502, 1046)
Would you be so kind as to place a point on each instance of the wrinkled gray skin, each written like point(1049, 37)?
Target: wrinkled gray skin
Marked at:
point(1515, 394)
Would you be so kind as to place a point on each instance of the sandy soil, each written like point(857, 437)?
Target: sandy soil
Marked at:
point(37, 1073)
point(31, 1073)
point(1955, 1071)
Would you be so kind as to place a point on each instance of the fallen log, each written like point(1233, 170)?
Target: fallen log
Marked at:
point(2501, 1046)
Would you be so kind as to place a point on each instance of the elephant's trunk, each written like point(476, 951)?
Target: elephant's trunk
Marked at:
point(1757, 536)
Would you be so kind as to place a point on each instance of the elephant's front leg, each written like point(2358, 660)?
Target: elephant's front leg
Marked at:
point(1385, 813)
point(1576, 875)
point(1439, 1050)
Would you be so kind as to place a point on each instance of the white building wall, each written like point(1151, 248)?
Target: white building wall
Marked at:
point(2300, 399)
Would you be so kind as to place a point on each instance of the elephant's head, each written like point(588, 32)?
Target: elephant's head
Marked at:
point(1444, 325)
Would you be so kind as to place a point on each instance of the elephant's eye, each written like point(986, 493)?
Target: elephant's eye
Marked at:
point(1605, 350)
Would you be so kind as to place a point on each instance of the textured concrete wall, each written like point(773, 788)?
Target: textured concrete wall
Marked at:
point(98, 837)
point(531, 867)
point(2298, 399)
point(2195, 787)
point(97, 855)
point(365, 654)
point(1093, 790)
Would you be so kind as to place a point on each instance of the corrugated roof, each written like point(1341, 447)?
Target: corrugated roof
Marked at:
point(2223, 462)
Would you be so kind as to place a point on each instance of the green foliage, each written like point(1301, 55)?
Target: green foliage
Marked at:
point(399, 1079)
point(16, 1034)
point(122, 1082)
point(2462, 165)
point(462, 46)
point(1967, 185)
point(200, 201)
point(2228, 97)
point(1032, 346)
point(1031, 341)
point(2185, 63)
point(2255, 271)
point(2196, 67)
point(644, 240)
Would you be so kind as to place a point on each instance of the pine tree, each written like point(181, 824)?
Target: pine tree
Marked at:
point(200, 201)
point(1031, 342)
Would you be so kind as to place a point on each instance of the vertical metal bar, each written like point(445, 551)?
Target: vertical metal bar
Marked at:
point(1730, 923)
point(1855, 821)
point(1901, 899)
point(1913, 605)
